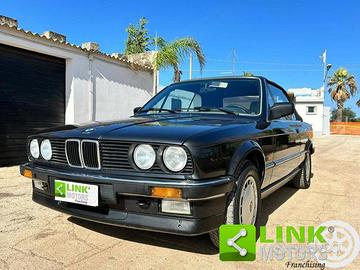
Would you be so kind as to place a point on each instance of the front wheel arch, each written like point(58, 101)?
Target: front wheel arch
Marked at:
point(248, 169)
point(248, 151)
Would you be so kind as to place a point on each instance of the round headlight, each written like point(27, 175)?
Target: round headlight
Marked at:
point(34, 148)
point(175, 158)
point(144, 156)
point(45, 148)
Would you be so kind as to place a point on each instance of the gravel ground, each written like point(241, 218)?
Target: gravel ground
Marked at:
point(34, 237)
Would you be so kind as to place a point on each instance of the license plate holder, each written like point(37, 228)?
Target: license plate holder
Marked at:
point(75, 192)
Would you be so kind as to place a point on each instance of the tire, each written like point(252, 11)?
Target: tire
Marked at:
point(303, 178)
point(248, 183)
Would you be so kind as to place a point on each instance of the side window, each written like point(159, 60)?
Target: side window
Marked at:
point(270, 97)
point(276, 95)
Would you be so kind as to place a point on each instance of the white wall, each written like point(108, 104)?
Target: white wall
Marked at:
point(326, 120)
point(119, 90)
point(97, 88)
point(316, 120)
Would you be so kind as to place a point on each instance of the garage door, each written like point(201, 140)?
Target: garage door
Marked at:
point(32, 98)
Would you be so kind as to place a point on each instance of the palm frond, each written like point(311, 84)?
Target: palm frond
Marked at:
point(165, 58)
point(158, 41)
point(184, 46)
point(332, 93)
point(351, 82)
point(173, 53)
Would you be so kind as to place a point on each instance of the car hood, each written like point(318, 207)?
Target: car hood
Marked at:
point(160, 129)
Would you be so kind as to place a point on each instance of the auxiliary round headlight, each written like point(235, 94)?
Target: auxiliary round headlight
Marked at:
point(175, 158)
point(34, 148)
point(45, 148)
point(144, 156)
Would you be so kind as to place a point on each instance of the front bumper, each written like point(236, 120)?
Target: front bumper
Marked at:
point(119, 200)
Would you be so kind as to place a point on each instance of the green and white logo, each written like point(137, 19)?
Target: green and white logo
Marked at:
point(333, 244)
point(60, 189)
point(237, 243)
point(75, 192)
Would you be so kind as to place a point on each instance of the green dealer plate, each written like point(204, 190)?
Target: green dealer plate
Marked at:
point(76, 193)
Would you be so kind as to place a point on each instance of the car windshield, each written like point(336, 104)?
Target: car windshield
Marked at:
point(226, 96)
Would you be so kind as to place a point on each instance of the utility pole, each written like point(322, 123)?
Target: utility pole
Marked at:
point(324, 64)
point(323, 60)
point(233, 61)
point(190, 66)
point(326, 68)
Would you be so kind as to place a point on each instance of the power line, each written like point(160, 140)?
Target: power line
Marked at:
point(231, 71)
point(262, 63)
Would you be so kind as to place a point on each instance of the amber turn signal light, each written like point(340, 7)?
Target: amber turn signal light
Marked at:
point(27, 173)
point(164, 192)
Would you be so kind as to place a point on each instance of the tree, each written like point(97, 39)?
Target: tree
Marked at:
point(247, 74)
point(171, 54)
point(342, 86)
point(138, 39)
point(347, 115)
point(168, 54)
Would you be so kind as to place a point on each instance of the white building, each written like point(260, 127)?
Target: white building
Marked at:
point(309, 104)
point(46, 81)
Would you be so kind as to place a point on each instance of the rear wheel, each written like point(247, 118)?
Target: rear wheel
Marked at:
point(245, 201)
point(303, 178)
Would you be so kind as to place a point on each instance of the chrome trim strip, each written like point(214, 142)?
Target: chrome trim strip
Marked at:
point(97, 152)
point(269, 165)
point(80, 155)
point(276, 185)
point(288, 158)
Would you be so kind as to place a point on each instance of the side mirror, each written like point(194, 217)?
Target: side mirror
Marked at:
point(282, 109)
point(137, 109)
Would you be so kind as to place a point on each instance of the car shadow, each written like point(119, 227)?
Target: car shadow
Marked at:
point(274, 201)
point(195, 244)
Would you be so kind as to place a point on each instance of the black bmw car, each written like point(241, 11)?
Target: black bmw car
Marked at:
point(199, 154)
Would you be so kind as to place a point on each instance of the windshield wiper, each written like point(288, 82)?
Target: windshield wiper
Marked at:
point(156, 110)
point(207, 109)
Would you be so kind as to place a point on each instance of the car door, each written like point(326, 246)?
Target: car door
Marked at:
point(286, 137)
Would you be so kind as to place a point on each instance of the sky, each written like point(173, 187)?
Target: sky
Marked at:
point(279, 39)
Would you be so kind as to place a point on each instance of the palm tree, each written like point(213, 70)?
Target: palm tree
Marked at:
point(342, 86)
point(171, 54)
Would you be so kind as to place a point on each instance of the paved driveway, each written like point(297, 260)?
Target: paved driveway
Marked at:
point(34, 237)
